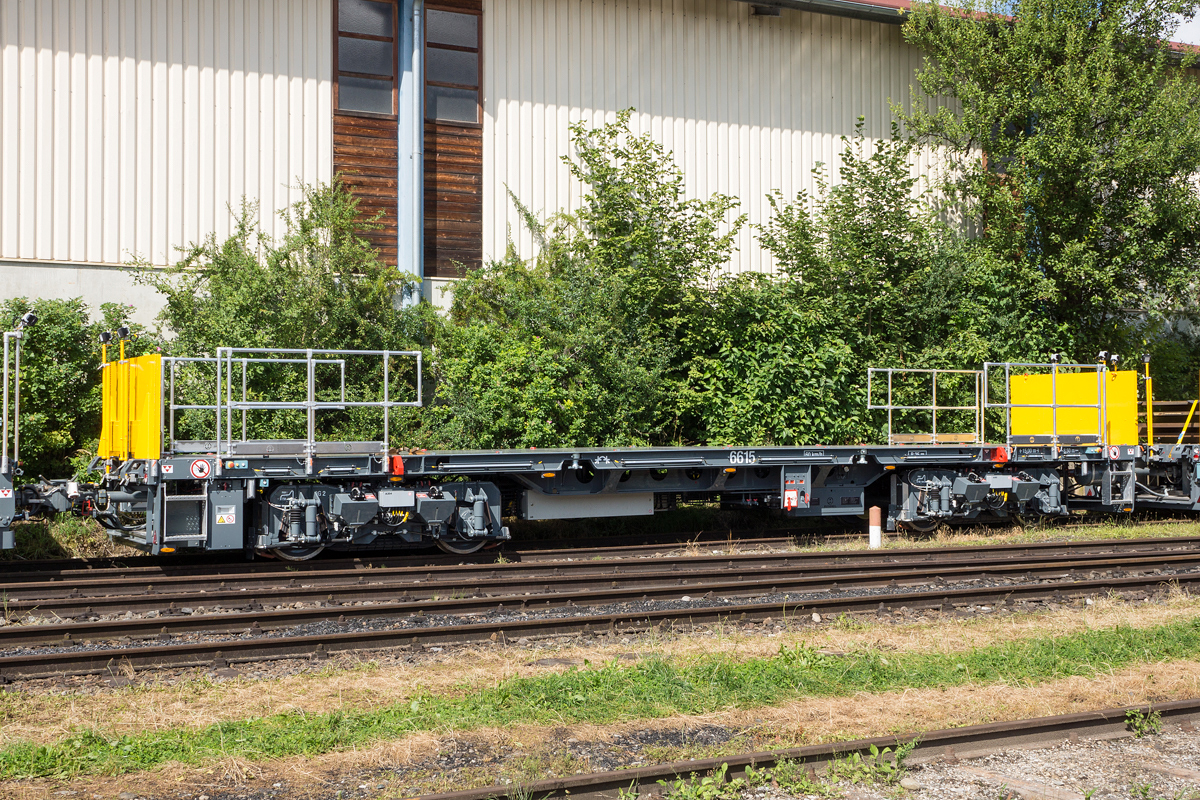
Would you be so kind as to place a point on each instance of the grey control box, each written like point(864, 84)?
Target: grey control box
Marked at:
point(226, 523)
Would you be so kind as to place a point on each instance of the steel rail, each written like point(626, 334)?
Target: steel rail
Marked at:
point(139, 566)
point(948, 744)
point(94, 583)
point(586, 579)
point(257, 648)
point(208, 563)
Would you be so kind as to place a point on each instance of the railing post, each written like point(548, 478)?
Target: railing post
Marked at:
point(244, 410)
point(218, 411)
point(933, 408)
point(1054, 404)
point(171, 410)
point(310, 446)
point(387, 440)
point(889, 374)
point(1149, 405)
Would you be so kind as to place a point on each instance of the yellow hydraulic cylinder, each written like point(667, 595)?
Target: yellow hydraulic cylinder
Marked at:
point(1149, 405)
point(1183, 432)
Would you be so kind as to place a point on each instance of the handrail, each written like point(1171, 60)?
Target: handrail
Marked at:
point(933, 408)
point(225, 405)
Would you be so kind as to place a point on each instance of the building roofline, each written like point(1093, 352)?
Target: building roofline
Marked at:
point(892, 12)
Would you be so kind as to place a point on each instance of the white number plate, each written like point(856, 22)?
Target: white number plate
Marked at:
point(742, 457)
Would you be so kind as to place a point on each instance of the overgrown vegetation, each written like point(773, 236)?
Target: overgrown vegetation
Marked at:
point(60, 381)
point(610, 692)
point(322, 286)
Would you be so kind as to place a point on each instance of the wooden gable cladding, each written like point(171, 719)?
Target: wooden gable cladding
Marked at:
point(364, 154)
point(453, 199)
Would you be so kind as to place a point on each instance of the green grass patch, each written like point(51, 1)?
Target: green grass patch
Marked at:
point(609, 693)
point(64, 536)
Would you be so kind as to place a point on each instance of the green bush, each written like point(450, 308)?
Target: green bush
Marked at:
point(322, 286)
point(583, 344)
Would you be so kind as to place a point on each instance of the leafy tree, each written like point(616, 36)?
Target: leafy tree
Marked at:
point(1074, 133)
point(60, 381)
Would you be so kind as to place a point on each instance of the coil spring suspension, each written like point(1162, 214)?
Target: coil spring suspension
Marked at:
point(291, 516)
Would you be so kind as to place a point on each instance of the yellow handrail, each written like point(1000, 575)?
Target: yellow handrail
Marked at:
point(1179, 441)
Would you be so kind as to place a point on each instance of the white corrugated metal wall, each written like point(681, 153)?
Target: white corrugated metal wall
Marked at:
point(128, 127)
point(747, 103)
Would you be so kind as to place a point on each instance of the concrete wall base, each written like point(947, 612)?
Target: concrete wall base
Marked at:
point(95, 283)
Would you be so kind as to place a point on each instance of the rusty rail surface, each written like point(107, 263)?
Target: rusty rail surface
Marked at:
point(954, 743)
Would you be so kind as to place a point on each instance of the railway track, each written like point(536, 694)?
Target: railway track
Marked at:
point(547, 550)
point(218, 639)
point(528, 549)
point(951, 744)
point(67, 573)
point(47, 584)
point(473, 590)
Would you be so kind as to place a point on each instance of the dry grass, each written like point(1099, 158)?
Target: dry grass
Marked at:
point(801, 722)
point(946, 536)
point(48, 717)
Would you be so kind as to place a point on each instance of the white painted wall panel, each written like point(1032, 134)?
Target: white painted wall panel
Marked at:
point(747, 104)
point(129, 127)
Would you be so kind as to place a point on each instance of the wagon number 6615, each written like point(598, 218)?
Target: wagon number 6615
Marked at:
point(742, 457)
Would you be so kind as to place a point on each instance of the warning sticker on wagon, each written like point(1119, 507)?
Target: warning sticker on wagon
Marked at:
point(5, 493)
point(226, 515)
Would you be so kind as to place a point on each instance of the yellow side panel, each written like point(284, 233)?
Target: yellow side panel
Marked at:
point(108, 384)
point(132, 408)
point(1079, 388)
point(1121, 401)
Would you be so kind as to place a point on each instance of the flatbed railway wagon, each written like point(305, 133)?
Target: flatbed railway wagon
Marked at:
point(272, 476)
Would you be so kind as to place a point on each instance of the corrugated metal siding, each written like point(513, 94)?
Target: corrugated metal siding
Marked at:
point(748, 104)
point(131, 126)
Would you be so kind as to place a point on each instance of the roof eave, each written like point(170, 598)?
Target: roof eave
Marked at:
point(839, 8)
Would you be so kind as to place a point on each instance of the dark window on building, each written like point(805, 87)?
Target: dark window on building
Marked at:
point(453, 138)
point(364, 113)
point(451, 66)
point(366, 56)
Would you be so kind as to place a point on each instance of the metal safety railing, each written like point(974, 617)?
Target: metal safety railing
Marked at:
point(933, 436)
point(226, 405)
point(1054, 370)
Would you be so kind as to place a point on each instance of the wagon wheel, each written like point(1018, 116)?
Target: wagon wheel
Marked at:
point(460, 547)
point(294, 553)
point(920, 525)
